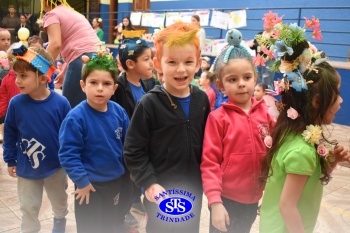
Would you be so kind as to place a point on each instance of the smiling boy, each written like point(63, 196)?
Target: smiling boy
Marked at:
point(163, 145)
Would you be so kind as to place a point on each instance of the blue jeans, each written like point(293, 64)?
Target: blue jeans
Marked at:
point(71, 85)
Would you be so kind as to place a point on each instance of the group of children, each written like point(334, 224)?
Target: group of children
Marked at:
point(168, 141)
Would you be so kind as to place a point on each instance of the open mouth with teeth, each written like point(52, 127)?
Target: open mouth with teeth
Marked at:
point(179, 80)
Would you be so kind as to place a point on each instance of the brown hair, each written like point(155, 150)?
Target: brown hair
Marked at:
point(35, 39)
point(21, 65)
point(210, 76)
point(196, 17)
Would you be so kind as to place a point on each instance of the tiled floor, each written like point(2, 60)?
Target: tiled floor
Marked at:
point(334, 215)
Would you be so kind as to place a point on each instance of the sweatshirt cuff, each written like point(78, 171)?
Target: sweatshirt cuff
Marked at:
point(12, 163)
point(83, 183)
point(214, 197)
point(148, 182)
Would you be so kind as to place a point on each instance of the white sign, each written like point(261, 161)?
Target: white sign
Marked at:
point(219, 20)
point(159, 20)
point(135, 18)
point(171, 18)
point(186, 16)
point(147, 19)
point(237, 19)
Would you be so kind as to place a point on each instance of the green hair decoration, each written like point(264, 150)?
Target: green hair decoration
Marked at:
point(101, 60)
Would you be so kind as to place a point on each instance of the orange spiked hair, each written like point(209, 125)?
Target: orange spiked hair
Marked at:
point(177, 34)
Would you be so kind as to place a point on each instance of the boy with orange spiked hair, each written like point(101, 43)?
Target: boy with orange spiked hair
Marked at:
point(163, 145)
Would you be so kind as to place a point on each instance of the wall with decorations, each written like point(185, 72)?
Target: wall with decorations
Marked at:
point(334, 17)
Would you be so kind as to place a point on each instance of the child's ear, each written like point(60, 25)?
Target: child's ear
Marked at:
point(115, 87)
point(43, 78)
point(198, 64)
point(82, 85)
point(130, 64)
point(316, 101)
point(156, 65)
point(219, 84)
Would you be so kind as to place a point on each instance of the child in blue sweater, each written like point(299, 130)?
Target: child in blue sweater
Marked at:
point(31, 143)
point(91, 145)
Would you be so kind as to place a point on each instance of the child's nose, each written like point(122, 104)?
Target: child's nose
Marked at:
point(241, 82)
point(181, 68)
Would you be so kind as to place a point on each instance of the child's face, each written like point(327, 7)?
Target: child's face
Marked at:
point(332, 110)
point(205, 65)
point(178, 65)
point(144, 64)
point(203, 81)
point(98, 87)
point(59, 65)
point(36, 44)
point(259, 93)
point(238, 81)
point(27, 82)
point(5, 40)
point(94, 23)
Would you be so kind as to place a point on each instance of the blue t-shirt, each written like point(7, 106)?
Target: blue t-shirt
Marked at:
point(185, 104)
point(137, 91)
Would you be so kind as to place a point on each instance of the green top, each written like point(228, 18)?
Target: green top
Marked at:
point(100, 34)
point(195, 84)
point(295, 156)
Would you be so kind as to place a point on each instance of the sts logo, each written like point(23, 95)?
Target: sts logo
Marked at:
point(175, 206)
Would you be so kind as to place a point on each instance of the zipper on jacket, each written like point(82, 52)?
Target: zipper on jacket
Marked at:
point(188, 159)
point(253, 148)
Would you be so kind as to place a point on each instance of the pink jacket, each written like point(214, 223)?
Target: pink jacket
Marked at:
point(8, 89)
point(233, 150)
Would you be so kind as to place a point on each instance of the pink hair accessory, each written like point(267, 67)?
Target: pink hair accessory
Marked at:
point(268, 141)
point(292, 113)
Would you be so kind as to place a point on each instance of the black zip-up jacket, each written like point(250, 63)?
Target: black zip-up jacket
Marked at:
point(161, 145)
point(123, 95)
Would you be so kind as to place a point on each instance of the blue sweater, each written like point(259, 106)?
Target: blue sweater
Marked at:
point(91, 143)
point(31, 134)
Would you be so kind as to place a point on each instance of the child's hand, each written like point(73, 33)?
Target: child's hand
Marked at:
point(84, 193)
point(219, 216)
point(340, 154)
point(12, 171)
point(153, 191)
point(59, 80)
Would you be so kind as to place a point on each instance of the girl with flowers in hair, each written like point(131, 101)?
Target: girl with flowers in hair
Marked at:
point(235, 142)
point(300, 159)
point(97, 26)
